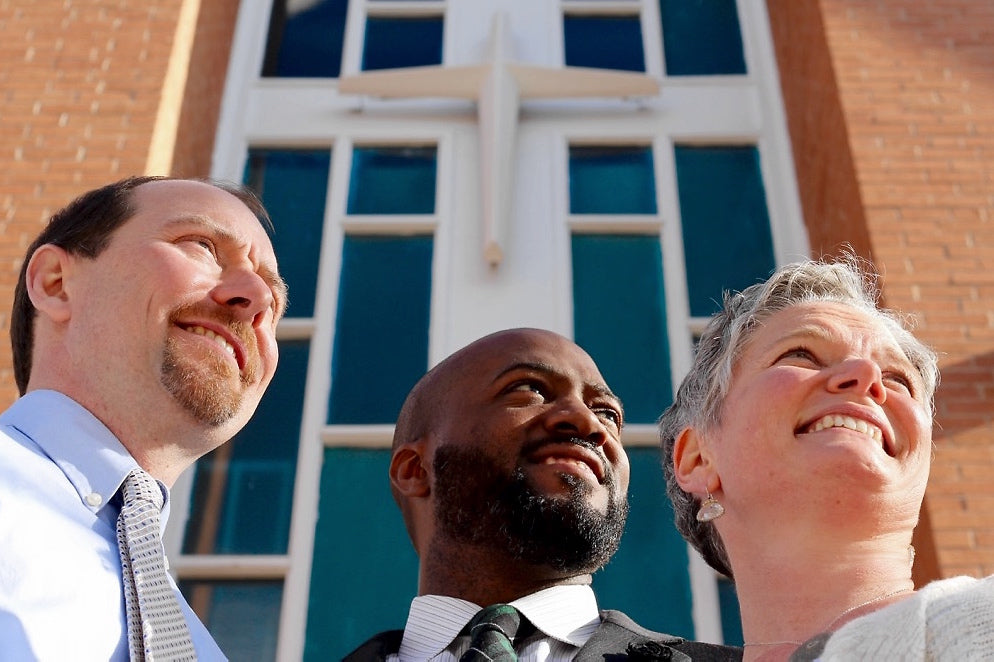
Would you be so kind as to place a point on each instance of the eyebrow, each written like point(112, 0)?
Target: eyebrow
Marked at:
point(538, 366)
point(820, 333)
point(806, 331)
point(281, 291)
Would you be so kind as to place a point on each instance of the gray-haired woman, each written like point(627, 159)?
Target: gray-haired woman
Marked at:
point(796, 455)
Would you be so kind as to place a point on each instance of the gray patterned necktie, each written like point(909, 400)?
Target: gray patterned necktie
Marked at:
point(157, 631)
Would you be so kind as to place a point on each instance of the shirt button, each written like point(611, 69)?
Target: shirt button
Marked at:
point(94, 499)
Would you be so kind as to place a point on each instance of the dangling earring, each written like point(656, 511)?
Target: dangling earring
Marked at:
point(710, 509)
point(911, 555)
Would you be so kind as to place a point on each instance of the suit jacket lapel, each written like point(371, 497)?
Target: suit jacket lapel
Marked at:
point(617, 632)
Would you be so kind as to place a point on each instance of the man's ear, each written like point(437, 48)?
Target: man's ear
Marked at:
point(45, 281)
point(408, 474)
point(695, 473)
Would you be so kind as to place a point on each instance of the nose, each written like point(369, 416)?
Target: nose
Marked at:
point(572, 416)
point(860, 376)
point(246, 294)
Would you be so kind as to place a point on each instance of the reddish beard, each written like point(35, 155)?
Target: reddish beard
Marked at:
point(203, 385)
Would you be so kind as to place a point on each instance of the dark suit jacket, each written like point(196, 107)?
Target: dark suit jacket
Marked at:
point(618, 639)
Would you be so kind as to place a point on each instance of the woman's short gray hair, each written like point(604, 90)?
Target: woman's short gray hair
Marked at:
point(698, 402)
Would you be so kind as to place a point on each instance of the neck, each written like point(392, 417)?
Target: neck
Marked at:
point(481, 575)
point(161, 435)
point(788, 597)
point(164, 451)
point(163, 462)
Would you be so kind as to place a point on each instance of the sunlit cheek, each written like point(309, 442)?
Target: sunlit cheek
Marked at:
point(922, 417)
point(272, 357)
point(918, 423)
point(925, 447)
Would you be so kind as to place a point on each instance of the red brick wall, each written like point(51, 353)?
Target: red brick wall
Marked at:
point(914, 82)
point(80, 89)
point(204, 88)
point(829, 191)
point(891, 108)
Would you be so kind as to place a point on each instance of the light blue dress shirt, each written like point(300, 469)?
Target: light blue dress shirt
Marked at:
point(61, 595)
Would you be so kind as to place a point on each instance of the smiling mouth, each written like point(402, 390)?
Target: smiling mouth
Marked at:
point(849, 423)
point(570, 454)
point(217, 339)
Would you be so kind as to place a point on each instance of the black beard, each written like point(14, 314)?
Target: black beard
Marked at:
point(476, 503)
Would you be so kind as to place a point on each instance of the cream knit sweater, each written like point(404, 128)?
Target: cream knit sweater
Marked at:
point(950, 619)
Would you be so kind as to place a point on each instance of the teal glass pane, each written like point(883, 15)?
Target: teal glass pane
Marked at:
point(726, 226)
point(604, 42)
point(293, 185)
point(647, 579)
point(305, 39)
point(243, 490)
point(731, 621)
point(393, 180)
point(242, 616)
point(394, 42)
point(611, 180)
point(619, 317)
point(701, 37)
point(365, 572)
point(381, 330)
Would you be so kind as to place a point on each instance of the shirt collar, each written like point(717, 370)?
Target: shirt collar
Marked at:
point(90, 456)
point(567, 613)
point(433, 622)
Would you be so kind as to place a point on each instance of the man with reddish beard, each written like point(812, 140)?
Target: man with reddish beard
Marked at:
point(144, 335)
point(512, 480)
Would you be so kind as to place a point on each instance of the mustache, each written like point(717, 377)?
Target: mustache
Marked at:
point(533, 446)
point(594, 447)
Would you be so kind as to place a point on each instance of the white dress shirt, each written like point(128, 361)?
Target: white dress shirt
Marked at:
point(61, 595)
point(565, 616)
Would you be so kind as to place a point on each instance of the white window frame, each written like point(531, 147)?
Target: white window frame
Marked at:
point(273, 112)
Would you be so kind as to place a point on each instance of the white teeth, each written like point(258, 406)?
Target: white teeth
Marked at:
point(207, 333)
point(850, 423)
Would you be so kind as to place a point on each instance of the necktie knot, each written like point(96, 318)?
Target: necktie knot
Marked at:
point(139, 486)
point(492, 632)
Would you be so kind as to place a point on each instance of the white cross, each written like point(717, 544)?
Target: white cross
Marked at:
point(497, 86)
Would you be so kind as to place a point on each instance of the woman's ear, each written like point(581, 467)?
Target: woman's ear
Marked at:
point(408, 475)
point(45, 281)
point(692, 464)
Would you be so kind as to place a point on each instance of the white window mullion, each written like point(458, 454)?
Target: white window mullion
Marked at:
point(296, 587)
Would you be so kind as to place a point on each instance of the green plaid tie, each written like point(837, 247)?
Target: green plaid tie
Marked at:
point(492, 630)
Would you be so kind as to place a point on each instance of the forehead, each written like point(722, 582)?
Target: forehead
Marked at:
point(488, 359)
point(829, 321)
point(160, 203)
